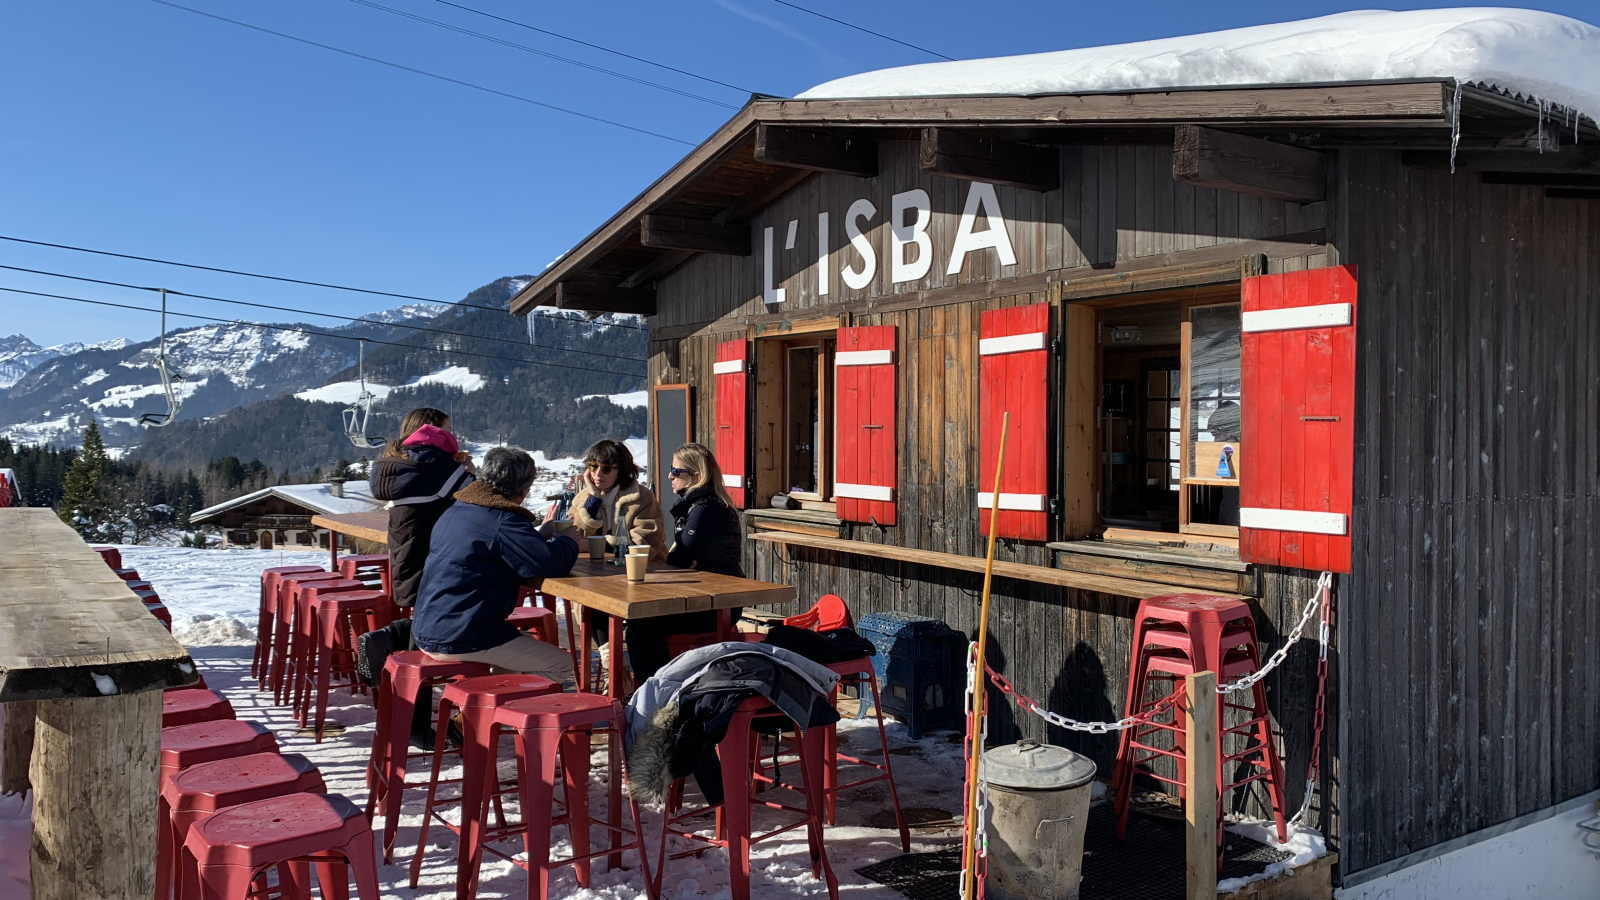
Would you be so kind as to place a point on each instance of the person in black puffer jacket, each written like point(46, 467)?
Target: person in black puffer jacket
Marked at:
point(418, 474)
point(707, 538)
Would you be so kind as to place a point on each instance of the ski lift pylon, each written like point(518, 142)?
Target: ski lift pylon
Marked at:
point(355, 417)
point(174, 397)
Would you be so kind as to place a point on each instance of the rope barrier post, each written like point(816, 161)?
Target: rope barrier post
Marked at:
point(970, 850)
point(1200, 785)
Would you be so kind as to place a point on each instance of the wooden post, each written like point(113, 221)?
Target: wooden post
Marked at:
point(94, 808)
point(1200, 785)
point(18, 746)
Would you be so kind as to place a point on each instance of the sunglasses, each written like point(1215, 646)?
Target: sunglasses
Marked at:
point(676, 472)
point(602, 469)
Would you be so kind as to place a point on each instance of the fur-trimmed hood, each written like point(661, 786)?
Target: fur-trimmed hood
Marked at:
point(480, 494)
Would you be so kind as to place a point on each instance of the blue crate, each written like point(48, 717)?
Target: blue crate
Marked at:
point(917, 669)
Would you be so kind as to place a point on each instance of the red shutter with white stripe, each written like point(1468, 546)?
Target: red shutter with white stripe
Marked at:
point(864, 424)
point(1013, 360)
point(1297, 398)
point(729, 444)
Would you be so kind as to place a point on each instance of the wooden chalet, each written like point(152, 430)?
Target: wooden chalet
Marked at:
point(279, 517)
point(1245, 335)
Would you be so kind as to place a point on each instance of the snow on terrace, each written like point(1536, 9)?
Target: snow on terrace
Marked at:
point(196, 583)
point(1536, 54)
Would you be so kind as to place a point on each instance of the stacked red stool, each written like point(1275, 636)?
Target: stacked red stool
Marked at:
point(275, 664)
point(265, 618)
point(193, 705)
point(111, 555)
point(540, 600)
point(127, 574)
point(553, 732)
point(737, 753)
point(405, 674)
point(1175, 636)
point(224, 853)
point(184, 746)
point(333, 622)
point(477, 698)
point(302, 598)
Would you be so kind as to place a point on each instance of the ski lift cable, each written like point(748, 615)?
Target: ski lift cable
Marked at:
point(174, 398)
point(310, 312)
point(286, 280)
point(357, 414)
point(326, 334)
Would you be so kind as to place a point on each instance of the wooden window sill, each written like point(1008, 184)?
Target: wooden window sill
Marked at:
point(815, 522)
point(1122, 587)
point(1183, 569)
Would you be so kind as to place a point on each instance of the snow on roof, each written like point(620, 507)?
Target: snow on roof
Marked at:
point(318, 498)
point(1536, 54)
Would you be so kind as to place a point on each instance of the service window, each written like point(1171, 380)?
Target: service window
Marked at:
point(793, 419)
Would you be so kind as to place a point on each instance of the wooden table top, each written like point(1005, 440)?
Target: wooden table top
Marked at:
point(665, 590)
point(369, 526)
point(69, 627)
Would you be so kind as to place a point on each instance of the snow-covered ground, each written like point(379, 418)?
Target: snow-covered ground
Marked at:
point(212, 595)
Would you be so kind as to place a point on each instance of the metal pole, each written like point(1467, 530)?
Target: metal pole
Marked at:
point(980, 685)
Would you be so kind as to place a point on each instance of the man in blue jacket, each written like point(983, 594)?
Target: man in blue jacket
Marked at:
point(484, 547)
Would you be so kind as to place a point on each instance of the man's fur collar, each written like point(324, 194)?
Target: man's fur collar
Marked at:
point(480, 494)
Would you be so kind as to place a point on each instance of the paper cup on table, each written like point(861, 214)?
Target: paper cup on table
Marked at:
point(637, 564)
point(597, 547)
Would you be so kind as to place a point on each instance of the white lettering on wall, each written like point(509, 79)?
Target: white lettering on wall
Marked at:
point(903, 236)
point(794, 228)
point(981, 197)
point(853, 279)
point(822, 254)
point(769, 293)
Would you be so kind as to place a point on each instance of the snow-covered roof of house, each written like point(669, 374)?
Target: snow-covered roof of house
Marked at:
point(1535, 54)
point(318, 498)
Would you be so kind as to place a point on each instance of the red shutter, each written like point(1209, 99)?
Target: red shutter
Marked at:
point(864, 423)
point(1013, 356)
point(729, 443)
point(1297, 395)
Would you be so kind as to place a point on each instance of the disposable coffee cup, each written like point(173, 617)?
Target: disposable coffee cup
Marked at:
point(597, 547)
point(637, 564)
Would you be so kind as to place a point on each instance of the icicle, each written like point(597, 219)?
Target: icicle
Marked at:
point(1541, 126)
point(1455, 127)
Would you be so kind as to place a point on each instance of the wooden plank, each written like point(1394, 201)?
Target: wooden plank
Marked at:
point(974, 157)
point(601, 298)
point(68, 623)
point(1579, 160)
point(678, 233)
point(1179, 576)
point(665, 591)
point(1194, 559)
point(1079, 407)
point(368, 526)
point(1247, 165)
point(94, 814)
point(16, 745)
point(1542, 179)
point(1200, 786)
point(1121, 587)
point(814, 150)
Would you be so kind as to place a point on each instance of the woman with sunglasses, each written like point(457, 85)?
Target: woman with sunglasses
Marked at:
point(707, 539)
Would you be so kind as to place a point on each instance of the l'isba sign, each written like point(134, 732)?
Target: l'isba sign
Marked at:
point(906, 230)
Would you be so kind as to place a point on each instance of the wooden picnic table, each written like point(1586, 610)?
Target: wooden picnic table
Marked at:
point(82, 658)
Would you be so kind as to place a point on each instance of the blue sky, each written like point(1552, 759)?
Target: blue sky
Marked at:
point(130, 126)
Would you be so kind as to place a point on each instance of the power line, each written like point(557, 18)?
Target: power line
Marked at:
point(574, 40)
point(863, 30)
point(343, 337)
point(414, 71)
point(309, 312)
point(320, 284)
point(523, 47)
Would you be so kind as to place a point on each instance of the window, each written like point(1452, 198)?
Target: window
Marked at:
point(803, 423)
point(793, 383)
point(1212, 453)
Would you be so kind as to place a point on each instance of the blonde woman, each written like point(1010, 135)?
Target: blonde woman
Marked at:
point(707, 538)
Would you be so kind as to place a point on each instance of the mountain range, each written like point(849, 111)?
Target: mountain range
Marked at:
point(277, 393)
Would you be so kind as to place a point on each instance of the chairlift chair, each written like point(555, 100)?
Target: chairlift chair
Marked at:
point(355, 417)
point(168, 376)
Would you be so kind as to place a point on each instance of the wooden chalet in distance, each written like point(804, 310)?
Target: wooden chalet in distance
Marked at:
point(1245, 335)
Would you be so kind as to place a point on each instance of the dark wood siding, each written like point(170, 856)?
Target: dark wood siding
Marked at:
point(1471, 671)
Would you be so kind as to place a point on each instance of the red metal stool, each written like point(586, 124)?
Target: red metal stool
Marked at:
point(183, 746)
point(201, 790)
point(539, 620)
point(111, 555)
point(405, 674)
point(737, 753)
point(224, 853)
point(139, 584)
point(199, 682)
point(545, 728)
point(268, 612)
point(334, 623)
point(193, 705)
point(276, 661)
point(303, 598)
point(366, 566)
point(549, 601)
point(127, 574)
point(477, 698)
point(159, 610)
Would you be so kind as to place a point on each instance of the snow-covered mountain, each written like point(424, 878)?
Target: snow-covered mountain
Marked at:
point(277, 395)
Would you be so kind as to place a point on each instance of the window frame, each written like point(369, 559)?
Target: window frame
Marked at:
point(770, 344)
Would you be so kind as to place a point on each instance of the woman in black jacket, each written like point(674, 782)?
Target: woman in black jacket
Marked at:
point(707, 538)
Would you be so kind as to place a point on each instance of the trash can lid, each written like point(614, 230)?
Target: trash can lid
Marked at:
point(1032, 766)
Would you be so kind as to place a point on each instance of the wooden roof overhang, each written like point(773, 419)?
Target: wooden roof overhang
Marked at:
point(771, 145)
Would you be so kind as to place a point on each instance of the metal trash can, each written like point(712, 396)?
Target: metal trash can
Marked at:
point(1037, 814)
